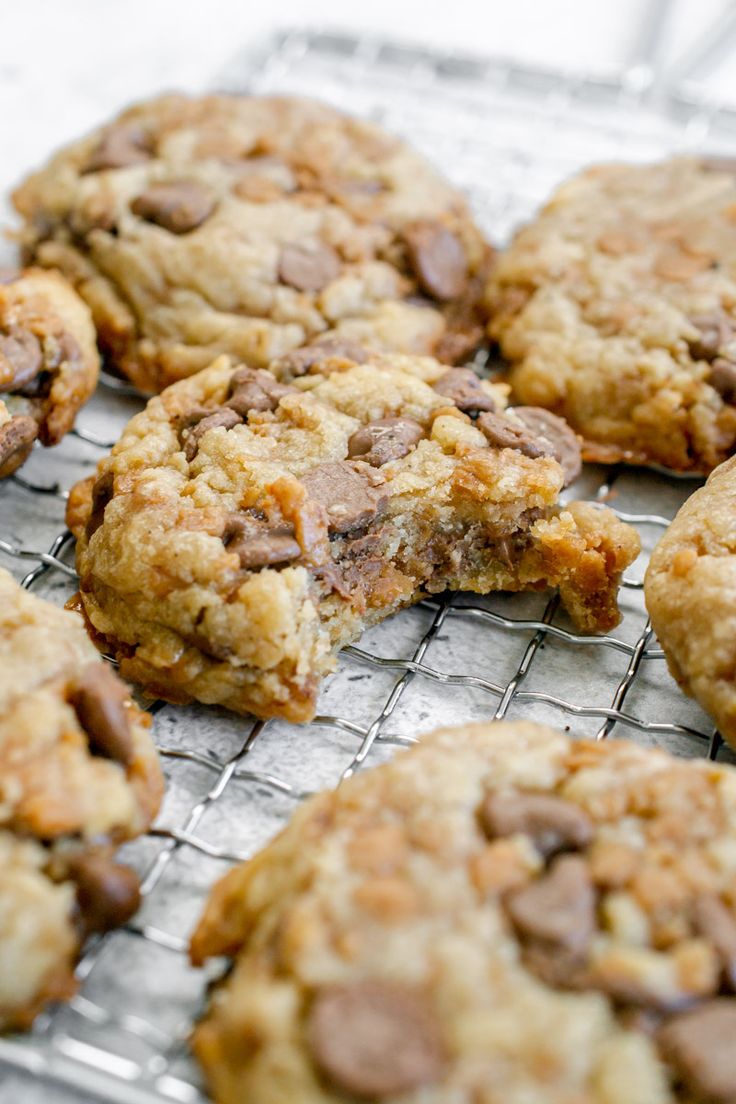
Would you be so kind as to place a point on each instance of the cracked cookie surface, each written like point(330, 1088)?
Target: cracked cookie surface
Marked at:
point(251, 226)
point(78, 775)
point(500, 915)
point(690, 593)
point(248, 524)
point(48, 362)
point(616, 308)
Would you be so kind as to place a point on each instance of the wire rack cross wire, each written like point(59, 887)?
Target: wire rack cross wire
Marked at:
point(232, 781)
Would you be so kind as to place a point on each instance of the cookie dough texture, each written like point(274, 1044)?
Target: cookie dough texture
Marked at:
point(245, 527)
point(616, 308)
point(498, 916)
point(78, 775)
point(250, 226)
point(48, 361)
point(690, 592)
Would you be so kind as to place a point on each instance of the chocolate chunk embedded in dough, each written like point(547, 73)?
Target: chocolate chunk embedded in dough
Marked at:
point(108, 893)
point(386, 439)
point(120, 147)
point(501, 432)
point(347, 494)
point(16, 441)
point(224, 418)
point(300, 361)
point(463, 388)
point(308, 268)
point(552, 823)
point(558, 907)
point(21, 359)
point(437, 259)
point(258, 543)
point(714, 330)
point(699, 1044)
point(255, 389)
point(717, 923)
point(375, 1038)
point(556, 437)
point(177, 207)
point(723, 379)
point(99, 699)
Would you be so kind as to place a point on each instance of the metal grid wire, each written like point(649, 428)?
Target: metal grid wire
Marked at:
point(233, 782)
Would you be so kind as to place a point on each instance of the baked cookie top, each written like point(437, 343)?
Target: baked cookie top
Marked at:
point(616, 308)
point(48, 361)
point(690, 593)
point(249, 226)
point(78, 775)
point(248, 524)
point(500, 914)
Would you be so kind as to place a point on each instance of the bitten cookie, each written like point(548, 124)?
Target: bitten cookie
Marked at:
point(48, 362)
point(245, 527)
point(78, 775)
point(499, 916)
point(616, 308)
point(690, 593)
point(251, 226)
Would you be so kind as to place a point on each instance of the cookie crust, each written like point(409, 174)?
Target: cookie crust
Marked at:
point(251, 226)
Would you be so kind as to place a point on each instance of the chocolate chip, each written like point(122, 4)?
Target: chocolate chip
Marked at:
point(559, 907)
point(556, 437)
point(21, 359)
point(16, 441)
point(308, 268)
point(462, 387)
point(108, 893)
point(224, 418)
point(255, 389)
point(717, 923)
point(503, 433)
point(437, 259)
point(177, 207)
point(300, 361)
point(375, 1038)
point(347, 494)
point(102, 492)
point(120, 147)
point(723, 379)
point(699, 1044)
point(384, 440)
point(258, 543)
point(714, 330)
point(552, 823)
point(99, 699)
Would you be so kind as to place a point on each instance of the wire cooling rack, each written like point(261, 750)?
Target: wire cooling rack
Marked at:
point(507, 134)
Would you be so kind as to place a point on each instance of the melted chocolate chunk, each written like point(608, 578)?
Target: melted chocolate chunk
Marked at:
point(347, 494)
point(99, 699)
point(177, 207)
point(386, 439)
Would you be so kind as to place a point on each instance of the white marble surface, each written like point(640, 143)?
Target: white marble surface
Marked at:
point(66, 64)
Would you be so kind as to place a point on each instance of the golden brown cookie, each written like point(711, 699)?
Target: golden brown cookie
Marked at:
point(690, 592)
point(78, 775)
point(48, 362)
point(616, 308)
point(250, 226)
point(246, 526)
point(500, 915)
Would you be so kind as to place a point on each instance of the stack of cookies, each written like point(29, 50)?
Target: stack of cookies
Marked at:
point(500, 916)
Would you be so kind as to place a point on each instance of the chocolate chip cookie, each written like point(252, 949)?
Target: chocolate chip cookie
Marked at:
point(48, 362)
point(501, 915)
point(251, 226)
point(690, 592)
point(616, 308)
point(249, 523)
point(78, 775)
